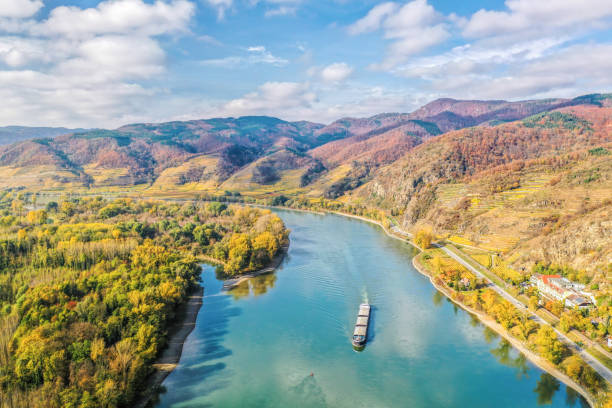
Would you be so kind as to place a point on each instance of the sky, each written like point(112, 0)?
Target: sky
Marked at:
point(91, 63)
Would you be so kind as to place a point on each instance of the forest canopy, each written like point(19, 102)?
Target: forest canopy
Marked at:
point(88, 288)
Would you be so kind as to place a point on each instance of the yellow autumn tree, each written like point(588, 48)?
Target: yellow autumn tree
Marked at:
point(423, 238)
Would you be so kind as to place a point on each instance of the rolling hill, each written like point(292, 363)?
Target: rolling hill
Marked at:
point(265, 155)
point(525, 189)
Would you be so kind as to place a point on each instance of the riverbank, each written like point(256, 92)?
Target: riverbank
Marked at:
point(170, 357)
point(380, 224)
point(496, 327)
point(232, 283)
point(485, 319)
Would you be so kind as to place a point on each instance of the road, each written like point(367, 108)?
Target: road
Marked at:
point(601, 369)
point(604, 371)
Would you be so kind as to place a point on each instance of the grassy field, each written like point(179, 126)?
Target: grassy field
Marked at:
point(603, 359)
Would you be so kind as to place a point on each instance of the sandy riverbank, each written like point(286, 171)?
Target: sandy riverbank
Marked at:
point(493, 325)
point(186, 321)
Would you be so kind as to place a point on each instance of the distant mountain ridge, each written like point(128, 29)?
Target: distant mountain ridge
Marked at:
point(13, 134)
point(251, 151)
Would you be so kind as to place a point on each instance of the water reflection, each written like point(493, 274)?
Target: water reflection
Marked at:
point(546, 388)
point(256, 286)
point(437, 298)
point(489, 335)
point(474, 321)
point(504, 354)
point(203, 358)
point(573, 398)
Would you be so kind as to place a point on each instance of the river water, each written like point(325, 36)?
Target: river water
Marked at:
point(283, 340)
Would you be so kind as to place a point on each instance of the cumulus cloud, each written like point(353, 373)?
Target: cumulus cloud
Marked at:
point(118, 17)
point(552, 75)
point(273, 98)
point(412, 28)
point(82, 66)
point(19, 8)
point(16, 51)
point(334, 73)
point(372, 20)
point(526, 18)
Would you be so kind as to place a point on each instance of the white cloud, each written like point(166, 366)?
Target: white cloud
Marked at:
point(17, 51)
point(477, 58)
point(221, 6)
point(257, 48)
point(310, 101)
point(413, 28)
point(552, 75)
point(256, 55)
point(372, 20)
point(281, 11)
point(119, 17)
point(273, 98)
point(527, 18)
point(19, 8)
point(80, 67)
point(97, 59)
point(336, 72)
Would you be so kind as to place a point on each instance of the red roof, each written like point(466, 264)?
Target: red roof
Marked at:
point(546, 277)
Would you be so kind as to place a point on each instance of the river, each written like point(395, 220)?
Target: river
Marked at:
point(283, 340)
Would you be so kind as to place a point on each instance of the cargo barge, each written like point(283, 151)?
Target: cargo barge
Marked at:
point(360, 335)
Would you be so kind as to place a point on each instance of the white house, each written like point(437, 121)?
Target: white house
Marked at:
point(560, 288)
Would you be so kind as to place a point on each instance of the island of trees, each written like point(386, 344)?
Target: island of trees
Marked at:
point(88, 289)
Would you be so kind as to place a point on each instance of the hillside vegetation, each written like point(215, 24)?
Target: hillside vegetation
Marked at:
point(204, 154)
point(527, 188)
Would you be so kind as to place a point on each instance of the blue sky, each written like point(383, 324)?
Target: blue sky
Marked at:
point(95, 63)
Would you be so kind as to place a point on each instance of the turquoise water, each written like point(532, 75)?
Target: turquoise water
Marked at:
point(257, 345)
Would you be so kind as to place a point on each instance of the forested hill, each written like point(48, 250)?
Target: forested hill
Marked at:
point(539, 188)
point(255, 153)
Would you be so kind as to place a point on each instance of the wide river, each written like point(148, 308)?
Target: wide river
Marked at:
point(283, 340)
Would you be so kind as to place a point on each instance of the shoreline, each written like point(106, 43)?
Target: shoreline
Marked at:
point(486, 320)
point(171, 355)
point(358, 217)
point(229, 284)
point(517, 344)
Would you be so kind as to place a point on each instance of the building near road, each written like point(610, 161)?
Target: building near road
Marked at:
point(559, 288)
